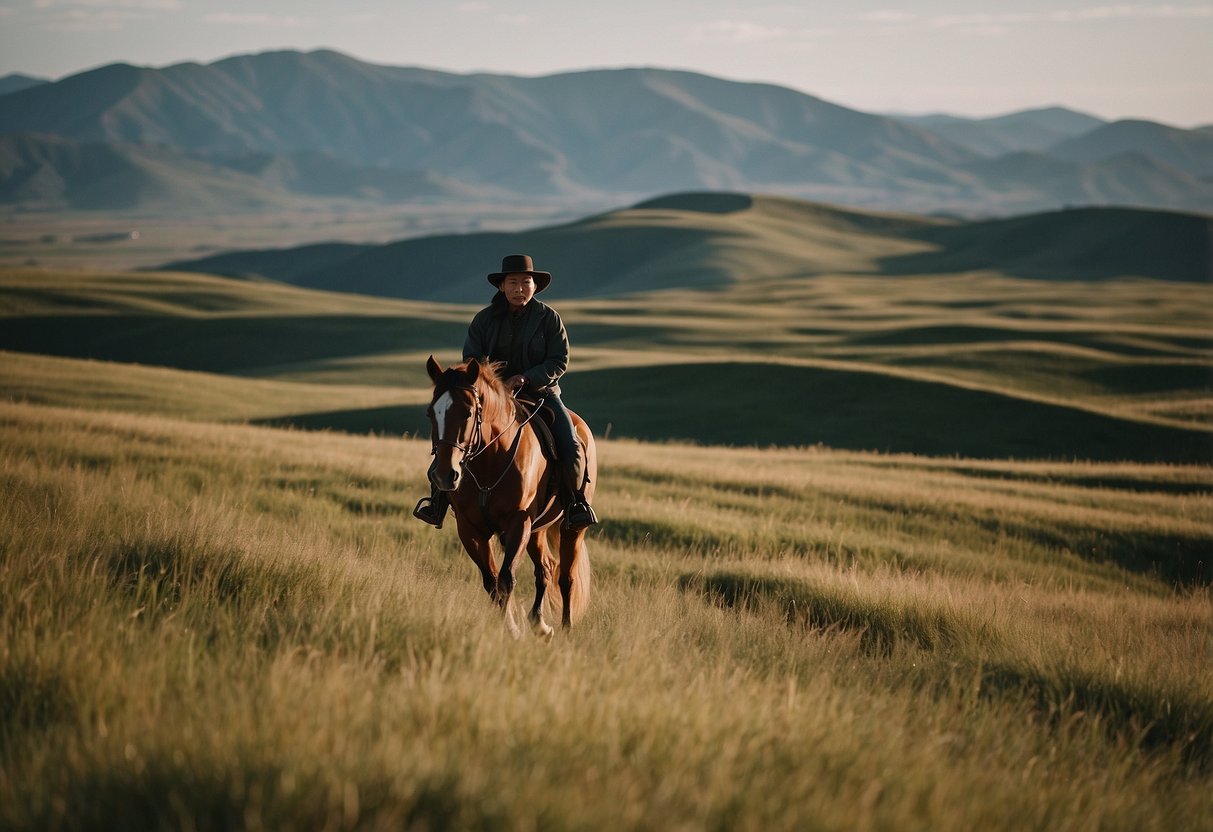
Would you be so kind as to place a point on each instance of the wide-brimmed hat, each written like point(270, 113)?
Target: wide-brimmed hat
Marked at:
point(520, 264)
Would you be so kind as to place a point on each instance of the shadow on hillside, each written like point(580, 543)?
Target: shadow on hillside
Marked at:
point(1075, 244)
point(394, 420)
point(764, 404)
point(702, 202)
point(221, 344)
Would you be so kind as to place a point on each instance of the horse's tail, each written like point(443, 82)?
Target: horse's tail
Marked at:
point(583, 579)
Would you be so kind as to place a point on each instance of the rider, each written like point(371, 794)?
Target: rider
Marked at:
point(528, 337)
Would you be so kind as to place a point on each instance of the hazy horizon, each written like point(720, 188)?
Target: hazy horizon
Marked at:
point(1136, 60)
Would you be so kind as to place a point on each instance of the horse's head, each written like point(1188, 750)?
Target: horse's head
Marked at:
point(455, 412)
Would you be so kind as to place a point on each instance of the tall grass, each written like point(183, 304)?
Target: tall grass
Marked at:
point(208, 626)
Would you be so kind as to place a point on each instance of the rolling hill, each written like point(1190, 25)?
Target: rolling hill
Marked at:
point(718, 240)
point(324, 124)
point(929, 365)
point(852, 329)
point(705, 240)
point(1082, 243)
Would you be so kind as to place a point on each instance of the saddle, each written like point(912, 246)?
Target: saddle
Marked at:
point(542, 424)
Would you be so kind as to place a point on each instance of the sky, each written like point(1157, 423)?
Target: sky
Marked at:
point(975, 58)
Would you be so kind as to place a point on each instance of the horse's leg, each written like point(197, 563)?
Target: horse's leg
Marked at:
point(538, 550)
point(480, 549)
point(514, 538)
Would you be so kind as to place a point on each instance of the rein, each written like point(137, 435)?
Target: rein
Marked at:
point(475, 448)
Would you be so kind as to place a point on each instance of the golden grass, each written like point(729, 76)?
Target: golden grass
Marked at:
point(1131, 349)
point(66, 382)
point(223, 626)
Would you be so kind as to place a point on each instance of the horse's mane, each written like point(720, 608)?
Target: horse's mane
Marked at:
point(495, 397)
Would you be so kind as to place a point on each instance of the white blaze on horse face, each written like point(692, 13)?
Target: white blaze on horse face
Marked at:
point(440, 408)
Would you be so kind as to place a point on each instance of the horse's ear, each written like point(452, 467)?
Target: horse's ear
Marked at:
point(434, 369)
point(473, 370)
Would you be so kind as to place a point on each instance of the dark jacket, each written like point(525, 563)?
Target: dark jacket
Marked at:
point(547, 343)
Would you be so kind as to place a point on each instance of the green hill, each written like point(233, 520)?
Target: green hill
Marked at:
point(718, 240)
point(683, 241)
point(976, 365)
point(1082, 243)
point(786, 404)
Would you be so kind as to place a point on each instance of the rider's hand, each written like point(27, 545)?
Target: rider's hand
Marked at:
point(516, 383)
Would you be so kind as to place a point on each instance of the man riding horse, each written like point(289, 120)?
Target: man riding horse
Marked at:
point(528, 338)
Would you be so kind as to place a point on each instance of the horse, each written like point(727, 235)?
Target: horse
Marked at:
point(489, 460)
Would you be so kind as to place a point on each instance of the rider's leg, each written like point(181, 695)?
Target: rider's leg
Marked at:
point(432, 509)
point(577, 513)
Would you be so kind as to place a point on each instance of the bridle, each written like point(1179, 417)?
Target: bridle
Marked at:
point(476, 445)
point(469, 450)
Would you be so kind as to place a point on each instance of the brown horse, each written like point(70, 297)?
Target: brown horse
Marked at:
point(490, 462)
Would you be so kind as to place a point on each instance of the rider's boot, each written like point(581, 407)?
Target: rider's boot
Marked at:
point(578, 513)
point(432, 509)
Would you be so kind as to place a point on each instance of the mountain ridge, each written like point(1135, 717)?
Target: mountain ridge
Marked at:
point(50, 172)
point(611, 134)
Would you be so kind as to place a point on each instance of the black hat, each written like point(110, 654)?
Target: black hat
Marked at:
point(520, 264)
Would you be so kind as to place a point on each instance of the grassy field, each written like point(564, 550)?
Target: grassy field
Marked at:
point(979, 365)
point(93, 240)
point(226, 626)
point(936, 556)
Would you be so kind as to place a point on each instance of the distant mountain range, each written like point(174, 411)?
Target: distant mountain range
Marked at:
point(710, 240)
point(15, 81)
point(259, 130)
point(39, 171)
point(1033, 130)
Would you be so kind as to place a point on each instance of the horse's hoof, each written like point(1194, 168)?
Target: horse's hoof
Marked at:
point(544, 630)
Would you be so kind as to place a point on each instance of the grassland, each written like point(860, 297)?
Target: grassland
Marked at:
point(937, 557)
point(92, 240)
point(979, 364)
point(225, 626)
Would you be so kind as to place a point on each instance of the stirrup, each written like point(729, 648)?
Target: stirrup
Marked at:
point(427, 512)
point(578, 516)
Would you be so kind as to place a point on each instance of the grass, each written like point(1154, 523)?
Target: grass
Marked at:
point(1000, 621)
point(64, 240)
point(979, 365)
point(226, 626)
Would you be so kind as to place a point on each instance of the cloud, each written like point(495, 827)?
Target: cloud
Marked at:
point(1002, 20)
point(994, 23)
point(137, 5)
point(888, 16)
point(79, 20)
point(259, 19)
point(735, 31)
point(472, 8)
point(97, 15)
